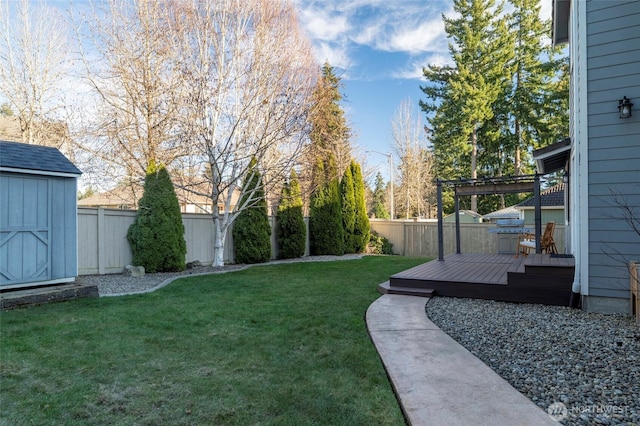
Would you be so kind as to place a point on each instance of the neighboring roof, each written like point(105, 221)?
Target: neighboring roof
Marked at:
point(35, 158)
point(506, 213)
point(120, 197)
point(552, 197)
point(553, 157)
point(467, 212)
point(128, 197)
point(561, 9)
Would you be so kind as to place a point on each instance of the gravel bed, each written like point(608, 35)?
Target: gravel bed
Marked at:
point(587, 365)
point(120, 285)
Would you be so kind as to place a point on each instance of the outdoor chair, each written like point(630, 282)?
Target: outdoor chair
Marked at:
point(527, 241)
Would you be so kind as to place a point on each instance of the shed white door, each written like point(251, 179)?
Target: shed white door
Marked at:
point(25, 250)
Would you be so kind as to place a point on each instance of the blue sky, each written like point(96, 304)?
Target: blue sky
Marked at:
point(378, 48)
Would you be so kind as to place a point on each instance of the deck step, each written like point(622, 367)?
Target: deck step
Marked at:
point(387, 288)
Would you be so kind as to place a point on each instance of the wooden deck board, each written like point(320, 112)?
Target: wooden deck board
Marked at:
point(537, 278)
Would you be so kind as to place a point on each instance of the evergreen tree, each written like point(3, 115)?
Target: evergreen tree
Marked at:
point(251, 229)
point(348, 210)
point(361, 228)
point(379, 210)
point(523, 117)
point(157, 235)
point(326, 235)
point(462, 96)
point(291, 231)
point(330, 154)
point(530, 108)
point(330, 135)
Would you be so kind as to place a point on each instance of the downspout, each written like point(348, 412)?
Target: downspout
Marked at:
point(579, 153)
point(574, 300)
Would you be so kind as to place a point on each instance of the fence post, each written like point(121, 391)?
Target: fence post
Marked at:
point(101, 242)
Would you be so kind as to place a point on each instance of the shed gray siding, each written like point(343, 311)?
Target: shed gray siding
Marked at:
point(37, 205)
point(613, 71)
point(38, 219)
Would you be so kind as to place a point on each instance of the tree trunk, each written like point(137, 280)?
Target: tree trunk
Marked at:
point(218, 243)
point(517, 159)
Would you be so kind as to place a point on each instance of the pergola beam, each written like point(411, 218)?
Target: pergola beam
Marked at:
point(495, 188)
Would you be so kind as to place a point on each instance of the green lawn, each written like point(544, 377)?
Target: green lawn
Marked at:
point(281, 344)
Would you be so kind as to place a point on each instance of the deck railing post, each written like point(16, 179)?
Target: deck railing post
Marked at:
point(440, 225)
point(457, 204)
point(537, 212)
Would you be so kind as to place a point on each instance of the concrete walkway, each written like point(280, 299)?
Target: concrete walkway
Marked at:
point(437, 381)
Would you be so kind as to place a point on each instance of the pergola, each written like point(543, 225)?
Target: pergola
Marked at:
point(488, 186)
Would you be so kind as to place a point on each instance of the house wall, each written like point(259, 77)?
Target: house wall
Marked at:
point(612, 71)
point(547, 214)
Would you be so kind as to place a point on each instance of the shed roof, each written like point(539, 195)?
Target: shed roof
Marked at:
point(35, 158)
point(551, 197)
point(506, 213)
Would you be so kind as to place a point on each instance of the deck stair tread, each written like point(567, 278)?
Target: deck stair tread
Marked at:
point(386, 288)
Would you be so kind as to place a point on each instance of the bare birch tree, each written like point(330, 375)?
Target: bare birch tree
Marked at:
point(33, 61)
point(129, 57)
point(249, 74)
point(414, 196)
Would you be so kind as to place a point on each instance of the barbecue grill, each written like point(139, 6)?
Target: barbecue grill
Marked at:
point(508, 231)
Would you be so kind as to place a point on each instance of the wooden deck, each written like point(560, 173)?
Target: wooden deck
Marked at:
point(537, 278)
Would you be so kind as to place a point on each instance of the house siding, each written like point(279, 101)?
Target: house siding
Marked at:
point(613, 70)
point(547, 215)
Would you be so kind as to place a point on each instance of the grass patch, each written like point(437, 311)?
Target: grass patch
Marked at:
point(281, 344)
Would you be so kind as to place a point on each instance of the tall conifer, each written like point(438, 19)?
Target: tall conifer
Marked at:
point(251, 229)
point(291, 230)
point(157, 235)
point(348, 202)
point(326, 234)
point(379, 209)
point(495, 103)
point(361, 228)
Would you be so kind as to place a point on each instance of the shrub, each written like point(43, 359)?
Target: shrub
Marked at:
point(251, 229)
point(379, 244)
point(291, 229)
point(326, 235)
point(157, 235)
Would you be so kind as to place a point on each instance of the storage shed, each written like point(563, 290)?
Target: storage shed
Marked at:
point(38, 216)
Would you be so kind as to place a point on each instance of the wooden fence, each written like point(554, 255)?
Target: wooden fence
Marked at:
point(420, 237)
point(103, 247)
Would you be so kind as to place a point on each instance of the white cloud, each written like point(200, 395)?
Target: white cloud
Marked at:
point(427, 36)
point(323, 25)
point(340, 29)
point(337, 56)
